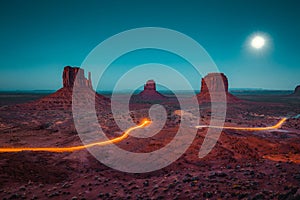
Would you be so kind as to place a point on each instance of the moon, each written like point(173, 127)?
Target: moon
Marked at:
point(258, 42)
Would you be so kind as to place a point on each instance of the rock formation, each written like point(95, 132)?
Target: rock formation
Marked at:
point(62, 98)
point(149, 93)
point(215, 84)
point(150, 86)
point(297, 91)
point(69, 78)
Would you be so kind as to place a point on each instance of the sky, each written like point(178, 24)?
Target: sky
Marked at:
point(38, 38)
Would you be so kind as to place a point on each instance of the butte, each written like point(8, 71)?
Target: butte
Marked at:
point(215, 84)
point(297, 91)
point(62, 98)
point(150, 93)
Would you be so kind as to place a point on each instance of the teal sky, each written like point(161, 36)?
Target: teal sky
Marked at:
point(38, 38)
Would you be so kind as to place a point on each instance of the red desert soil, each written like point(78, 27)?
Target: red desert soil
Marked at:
point(242, 165)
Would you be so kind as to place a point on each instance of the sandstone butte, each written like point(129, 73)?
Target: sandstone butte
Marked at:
point(297, 91)
point(215, 84)
point(62, 98)
point(150, 93)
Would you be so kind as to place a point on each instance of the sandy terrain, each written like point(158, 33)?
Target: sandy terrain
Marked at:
point(243, 165)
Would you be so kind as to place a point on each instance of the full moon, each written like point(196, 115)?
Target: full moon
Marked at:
point(258, 42)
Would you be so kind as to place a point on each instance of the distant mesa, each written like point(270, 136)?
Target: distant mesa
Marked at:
point(215, 84)
point(62, 98)
point(297, 91)
point(149, 93)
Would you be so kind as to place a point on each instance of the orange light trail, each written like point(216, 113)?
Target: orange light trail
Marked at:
point(276, 126)
point(144, 123)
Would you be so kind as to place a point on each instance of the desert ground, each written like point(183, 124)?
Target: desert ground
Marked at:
point(243, 164)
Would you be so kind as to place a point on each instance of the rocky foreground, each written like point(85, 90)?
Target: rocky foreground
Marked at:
point(243, 165)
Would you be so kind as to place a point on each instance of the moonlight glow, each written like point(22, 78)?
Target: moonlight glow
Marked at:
point(258, 42)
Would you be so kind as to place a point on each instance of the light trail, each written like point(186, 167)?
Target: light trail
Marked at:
point(144, 123)
point(276, 126)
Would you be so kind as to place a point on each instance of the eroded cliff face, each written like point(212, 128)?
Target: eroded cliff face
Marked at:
point(297, 91)
point(75, 76)
point(150, 93)
point(150, 85)
point(62, 98)
point(215, 84)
